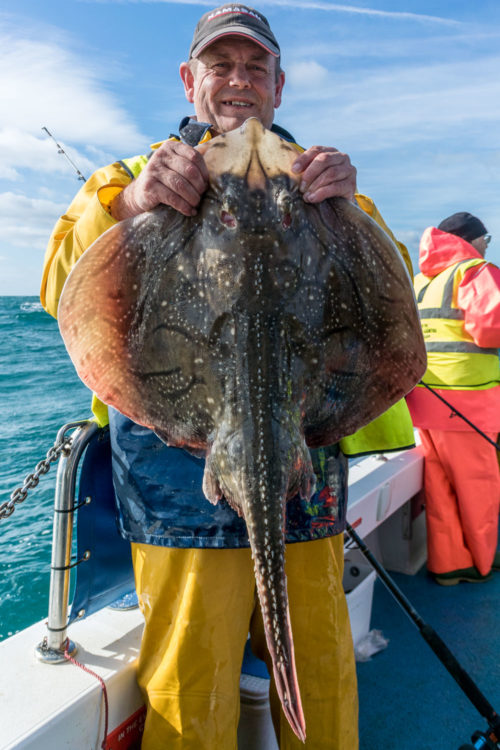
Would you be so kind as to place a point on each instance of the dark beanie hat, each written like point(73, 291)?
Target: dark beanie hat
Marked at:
point(463, 225)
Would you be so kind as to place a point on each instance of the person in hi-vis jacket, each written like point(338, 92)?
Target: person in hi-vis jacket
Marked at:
point(458, 296)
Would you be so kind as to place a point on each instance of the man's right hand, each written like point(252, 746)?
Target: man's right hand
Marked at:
point(176, 175)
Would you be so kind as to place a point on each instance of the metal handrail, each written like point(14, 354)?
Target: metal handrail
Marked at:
point(53, 646)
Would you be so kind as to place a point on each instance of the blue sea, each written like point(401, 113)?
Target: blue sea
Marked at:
point(39, 392)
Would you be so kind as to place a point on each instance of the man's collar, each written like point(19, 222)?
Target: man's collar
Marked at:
point(192, 132)
point(283, 133)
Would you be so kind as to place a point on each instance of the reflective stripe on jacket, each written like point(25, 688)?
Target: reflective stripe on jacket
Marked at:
point(134, 165)
point(454, 359)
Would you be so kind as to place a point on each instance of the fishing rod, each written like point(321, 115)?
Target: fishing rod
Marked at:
point(489, 740)
point(459, 414)
point(481, 740)
point(60, 150)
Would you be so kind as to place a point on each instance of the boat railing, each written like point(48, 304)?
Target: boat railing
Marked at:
point(56, 644)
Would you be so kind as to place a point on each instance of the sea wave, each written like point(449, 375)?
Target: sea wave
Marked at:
point(39, 392)
point(31, 307)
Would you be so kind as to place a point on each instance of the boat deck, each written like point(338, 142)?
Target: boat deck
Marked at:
point(408, 699)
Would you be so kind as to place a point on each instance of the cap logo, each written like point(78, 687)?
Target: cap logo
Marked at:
point(234, 9)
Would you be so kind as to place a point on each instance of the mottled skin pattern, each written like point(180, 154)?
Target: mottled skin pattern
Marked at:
point(260, 327)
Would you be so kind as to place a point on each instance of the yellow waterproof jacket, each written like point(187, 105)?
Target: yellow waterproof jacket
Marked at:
point(88, 216)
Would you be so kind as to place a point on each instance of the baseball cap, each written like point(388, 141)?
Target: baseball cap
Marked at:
point(464, 225)
point(235, 20)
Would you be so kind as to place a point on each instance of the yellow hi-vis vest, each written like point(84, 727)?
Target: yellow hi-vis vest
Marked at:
point(454, 361)
point(392, 431)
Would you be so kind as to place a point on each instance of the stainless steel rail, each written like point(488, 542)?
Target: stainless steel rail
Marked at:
point(51, 649)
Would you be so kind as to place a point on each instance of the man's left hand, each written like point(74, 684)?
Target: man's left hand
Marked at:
point(326, 173)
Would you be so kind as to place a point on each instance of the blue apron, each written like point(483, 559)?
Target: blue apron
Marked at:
point(160, 498)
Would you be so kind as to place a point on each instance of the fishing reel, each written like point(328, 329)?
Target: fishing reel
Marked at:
point(482, 741)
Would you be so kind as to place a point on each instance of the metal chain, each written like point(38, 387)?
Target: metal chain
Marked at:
point(43, 467)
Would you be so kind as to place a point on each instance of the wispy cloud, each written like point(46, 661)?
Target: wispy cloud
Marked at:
point(27, 222)
point(304, 72)
point(46, 79)
point(414, 47)
point(43, 82)
point(353, 9)
point(311, 5)
point(397, 105)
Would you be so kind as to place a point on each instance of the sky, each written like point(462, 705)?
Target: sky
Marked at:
point(410, 89)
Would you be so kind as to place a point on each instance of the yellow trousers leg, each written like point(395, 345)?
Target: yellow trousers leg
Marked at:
point(199, 606)
point(324, 653)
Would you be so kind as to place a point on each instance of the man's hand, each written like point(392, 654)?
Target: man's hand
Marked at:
point(326, 173)
point(176, 175)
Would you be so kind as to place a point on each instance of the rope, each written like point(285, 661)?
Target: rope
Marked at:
point(462, 416)
point(103, 686)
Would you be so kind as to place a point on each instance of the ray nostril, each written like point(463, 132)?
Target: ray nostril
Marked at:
point(284, 204)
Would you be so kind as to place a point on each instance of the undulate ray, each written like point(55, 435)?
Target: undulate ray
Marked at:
point(248, 333)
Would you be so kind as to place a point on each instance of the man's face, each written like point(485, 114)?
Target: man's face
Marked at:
point(481, 243)
point(232, 80)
